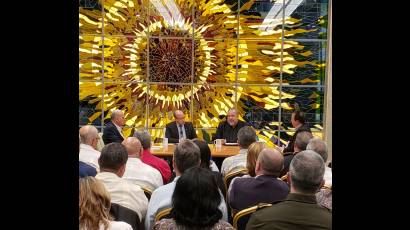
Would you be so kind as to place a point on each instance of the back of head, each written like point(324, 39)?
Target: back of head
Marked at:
point(87, 134)
point(253, 154)
point(246, 136)
point(196, 199)
point(186, 155)
point(94, 202)
point(302, 140)
point(205, 153)
point(133, 146)
point(271, 162)
point(306, 172)
point(113, 156)
point(318, 146)
point(144, 137)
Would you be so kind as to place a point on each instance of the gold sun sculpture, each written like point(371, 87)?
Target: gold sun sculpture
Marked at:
point(125, 49)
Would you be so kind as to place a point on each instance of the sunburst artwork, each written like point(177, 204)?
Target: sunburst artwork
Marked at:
point(150, 57)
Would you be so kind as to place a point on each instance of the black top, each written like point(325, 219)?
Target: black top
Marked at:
point(111, 134)
point(225, 131)
point(171, 132)
point(289, 148)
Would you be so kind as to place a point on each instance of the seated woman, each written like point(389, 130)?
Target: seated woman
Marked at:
point(253, 154)
point(206, 163)
point(95, 207)
point(195, 203)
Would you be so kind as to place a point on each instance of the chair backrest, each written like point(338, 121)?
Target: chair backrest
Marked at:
point(147, 192)
point(242, 217)
point(121, 213)
point(164, 213)
point(285, 178)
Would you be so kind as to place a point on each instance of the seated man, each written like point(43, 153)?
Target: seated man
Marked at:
point(265, 187)
point(186, 155)
point(299, 210)
point(161, 165)
point(113, 130)
point(88, 146)
point(298, 122)
point(179, 129)
point(246, 136)
point(301, 141)
point(320, 147)
point(112, 162)
point(228, 129)
point(138, 172)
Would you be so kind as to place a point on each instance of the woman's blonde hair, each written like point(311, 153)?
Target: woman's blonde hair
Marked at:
point(253, 153)
point(95, 203)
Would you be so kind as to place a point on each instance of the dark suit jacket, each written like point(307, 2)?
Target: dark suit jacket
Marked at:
point(172, 134)
point(111, 134)
point(296, 212)
point(289, 148)
point(250, 191)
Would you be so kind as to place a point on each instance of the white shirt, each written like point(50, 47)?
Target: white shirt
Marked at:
point(213, 166)
point(89, 156)
point(328, 176)
point(237, 161)
point(124, 193)
point(139, 173)
point(162, 198)
point(116, 225)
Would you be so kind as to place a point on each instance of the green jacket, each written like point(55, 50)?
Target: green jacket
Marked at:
point(296, 212)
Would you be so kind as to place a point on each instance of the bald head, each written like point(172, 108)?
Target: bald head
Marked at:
point(270, 162)
point(89, 135)
point(133, 146)
point(179, 117)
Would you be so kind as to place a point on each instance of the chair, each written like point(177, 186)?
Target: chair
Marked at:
point(164, 213)
point(285, 178)
point(147, 192)
point(242, 217)
point(121, 213)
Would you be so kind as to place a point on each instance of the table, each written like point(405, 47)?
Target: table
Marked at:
point(225, 151)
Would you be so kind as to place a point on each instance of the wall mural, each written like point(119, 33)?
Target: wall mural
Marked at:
point(150, 57)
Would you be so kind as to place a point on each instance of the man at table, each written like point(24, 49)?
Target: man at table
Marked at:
point(179, 129)
point(228, 129)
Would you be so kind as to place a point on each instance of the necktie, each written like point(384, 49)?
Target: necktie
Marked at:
point(181, 133)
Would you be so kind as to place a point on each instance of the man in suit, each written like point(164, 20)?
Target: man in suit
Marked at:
point(300, 209)
point(179, 129)
point(265, 187)
point(113, 129)
point(298, 122)
point(228, 129)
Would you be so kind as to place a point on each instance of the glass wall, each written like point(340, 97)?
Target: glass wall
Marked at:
point(150, 57)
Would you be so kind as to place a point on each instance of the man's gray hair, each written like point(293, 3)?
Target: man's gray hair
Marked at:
point(302, 139)
point(319, 146)
point(306, 171)
point(115, 113)
point(144, 137)
point(246, 136)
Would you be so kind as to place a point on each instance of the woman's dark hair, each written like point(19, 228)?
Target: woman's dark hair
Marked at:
point(196, 199)
point(205, 153)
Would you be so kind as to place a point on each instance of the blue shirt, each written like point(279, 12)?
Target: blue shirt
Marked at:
point(86, 170)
